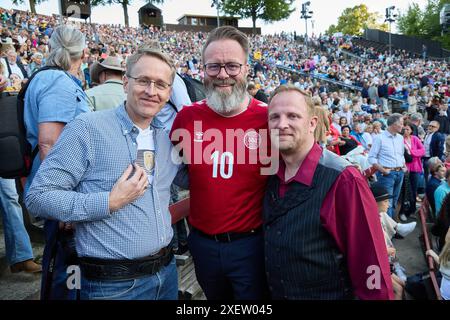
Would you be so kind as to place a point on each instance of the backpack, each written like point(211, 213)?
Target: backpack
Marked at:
point(195, 90)
point(16, 156)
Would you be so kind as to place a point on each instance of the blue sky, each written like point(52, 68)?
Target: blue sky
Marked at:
point(326, 12)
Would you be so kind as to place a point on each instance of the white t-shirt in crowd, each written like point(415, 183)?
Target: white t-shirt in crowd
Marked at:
point(426, 144)
point(14, 69)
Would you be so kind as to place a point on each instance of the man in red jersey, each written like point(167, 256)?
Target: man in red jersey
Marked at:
point(221, 139)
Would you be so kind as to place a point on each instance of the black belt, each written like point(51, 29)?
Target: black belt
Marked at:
point(104, 269)
point(228, 236)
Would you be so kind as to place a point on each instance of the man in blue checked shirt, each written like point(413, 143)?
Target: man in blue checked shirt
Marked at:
point(110, 174)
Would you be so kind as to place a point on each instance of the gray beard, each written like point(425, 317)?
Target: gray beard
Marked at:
point(224, 103)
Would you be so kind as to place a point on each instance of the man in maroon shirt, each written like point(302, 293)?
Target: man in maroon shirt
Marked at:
point(323, 238)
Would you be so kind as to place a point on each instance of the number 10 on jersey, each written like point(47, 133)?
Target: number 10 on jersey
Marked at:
point(222, 162)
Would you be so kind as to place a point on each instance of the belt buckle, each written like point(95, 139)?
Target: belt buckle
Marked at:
point(218, 239)
point(163, 252)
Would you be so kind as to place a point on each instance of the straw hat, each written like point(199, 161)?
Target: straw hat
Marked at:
point(6, 44)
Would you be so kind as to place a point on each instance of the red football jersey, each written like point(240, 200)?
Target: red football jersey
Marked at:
point(225, 156)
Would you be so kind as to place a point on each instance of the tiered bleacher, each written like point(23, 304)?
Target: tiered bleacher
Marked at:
point(363, 91)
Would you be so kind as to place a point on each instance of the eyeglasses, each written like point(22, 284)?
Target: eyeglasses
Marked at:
point(432, 126)
point(144, 82)
point(231, 68)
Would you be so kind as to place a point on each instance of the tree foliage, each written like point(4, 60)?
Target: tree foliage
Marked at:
point(424, 23)
point(266, 10)
point(331, 30)
point(354, 20)
point(411, 23)
point(33, 3)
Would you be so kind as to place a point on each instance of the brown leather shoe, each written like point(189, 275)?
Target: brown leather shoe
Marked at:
point(26, 266)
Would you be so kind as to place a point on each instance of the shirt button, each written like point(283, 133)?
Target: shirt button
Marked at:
point(134, 143)
point(279, 233)
point(278, 249)
point(281, 281)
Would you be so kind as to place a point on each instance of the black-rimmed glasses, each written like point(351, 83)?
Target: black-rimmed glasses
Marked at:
point(231, 68)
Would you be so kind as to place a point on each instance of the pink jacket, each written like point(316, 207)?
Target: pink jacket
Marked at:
point(417, 151)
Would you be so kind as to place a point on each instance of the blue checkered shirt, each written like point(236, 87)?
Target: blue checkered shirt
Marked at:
point(388, 150)
point(74, 181)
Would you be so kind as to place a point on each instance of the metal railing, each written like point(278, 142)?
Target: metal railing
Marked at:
point(320, 77)
point(352, 55)
point(423, 213)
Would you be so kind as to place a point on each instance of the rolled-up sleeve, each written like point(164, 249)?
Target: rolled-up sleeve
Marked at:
point(349, 213)
point(60, 103)
point(53, 194)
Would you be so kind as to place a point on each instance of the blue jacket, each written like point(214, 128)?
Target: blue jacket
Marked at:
point(437, 145)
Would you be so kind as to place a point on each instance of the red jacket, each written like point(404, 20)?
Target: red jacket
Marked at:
point(334, 133)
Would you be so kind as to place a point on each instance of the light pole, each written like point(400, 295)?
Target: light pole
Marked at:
point(216, 3)
point(60, 13)
point(390, 17)
point(306, 14)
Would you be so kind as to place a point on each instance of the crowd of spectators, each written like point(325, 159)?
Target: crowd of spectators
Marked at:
point(402, 75)
point(356, 96)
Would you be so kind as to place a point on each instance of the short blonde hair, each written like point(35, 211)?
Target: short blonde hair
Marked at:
point(150, 51)
point(306, 95)
point(317, 101)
